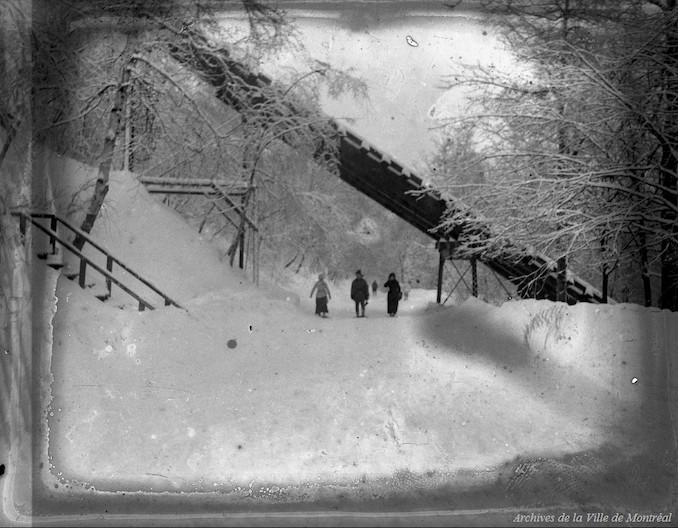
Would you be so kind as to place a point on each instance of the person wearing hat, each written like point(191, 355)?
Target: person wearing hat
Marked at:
point(393, 296)
point(322, 294)
point(360, 293)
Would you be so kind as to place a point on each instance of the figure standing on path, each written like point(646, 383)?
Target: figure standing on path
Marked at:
point(374, 288)
point(394, 295)
point(322, 291)
point(360, 293)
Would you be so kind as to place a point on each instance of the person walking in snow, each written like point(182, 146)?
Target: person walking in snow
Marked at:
point(374, 288)
point(322, 294)
point(360, 293)
point(394, 295)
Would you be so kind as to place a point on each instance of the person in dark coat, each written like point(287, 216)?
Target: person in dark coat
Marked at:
point(322, 294)
point(394, 294)
point(374, 288)
point(360, 293)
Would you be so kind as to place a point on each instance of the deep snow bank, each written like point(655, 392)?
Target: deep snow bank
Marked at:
point(164, 400)
point(614, 361)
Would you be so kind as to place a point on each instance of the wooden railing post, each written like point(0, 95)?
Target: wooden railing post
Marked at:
point(83, 268)
point(53, 227)
point(441, 264)
point(22, 224)
point(474, 277)
point(85, 261)
point(109, 267)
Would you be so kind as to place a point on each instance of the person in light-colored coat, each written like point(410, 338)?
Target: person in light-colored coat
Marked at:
point(322, 294)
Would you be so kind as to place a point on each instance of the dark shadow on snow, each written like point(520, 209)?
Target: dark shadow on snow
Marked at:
point(635, 468)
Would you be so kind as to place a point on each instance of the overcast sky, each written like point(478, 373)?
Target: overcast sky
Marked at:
point(402, 50)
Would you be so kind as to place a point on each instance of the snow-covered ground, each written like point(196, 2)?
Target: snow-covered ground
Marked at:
point(247, 393)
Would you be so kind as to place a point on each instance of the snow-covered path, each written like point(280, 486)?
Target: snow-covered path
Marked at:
point(249, 390)
point(166, 402)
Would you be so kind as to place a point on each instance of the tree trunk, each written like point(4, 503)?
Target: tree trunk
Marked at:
point(605, 267)
point(561, 281)
point(115, 127)
point(606, 283)
point(239, 239)
point(669, 246)
point(249, 164)
point(11, 131)
point(669, 276)
point(645, 270)
point(128, 162)
point(669, 166)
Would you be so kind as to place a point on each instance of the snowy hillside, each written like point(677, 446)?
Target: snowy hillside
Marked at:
point(248, 390)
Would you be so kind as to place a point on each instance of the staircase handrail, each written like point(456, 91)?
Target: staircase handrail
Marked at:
point(32, 215)
point(159, 180)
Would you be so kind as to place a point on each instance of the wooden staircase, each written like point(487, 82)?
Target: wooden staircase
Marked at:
point(50, 223)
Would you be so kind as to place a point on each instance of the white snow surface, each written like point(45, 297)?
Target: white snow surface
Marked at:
point(247, 384)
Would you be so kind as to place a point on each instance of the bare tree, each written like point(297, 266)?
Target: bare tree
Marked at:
point(157, 96)
point(577, 143)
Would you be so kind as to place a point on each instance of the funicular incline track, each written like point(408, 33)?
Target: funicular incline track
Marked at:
point(376, 175)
